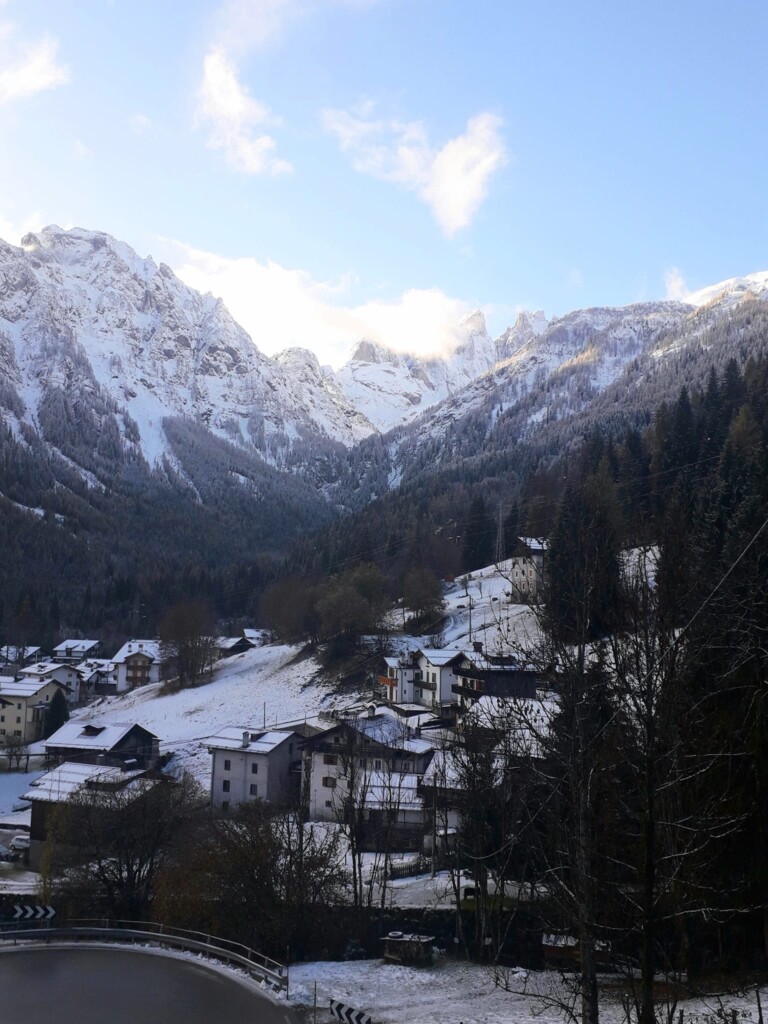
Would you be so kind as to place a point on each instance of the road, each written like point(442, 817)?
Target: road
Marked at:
point(91, 985)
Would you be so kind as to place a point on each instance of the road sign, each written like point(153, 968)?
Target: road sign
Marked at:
point(349, 1015)
point(25, 912)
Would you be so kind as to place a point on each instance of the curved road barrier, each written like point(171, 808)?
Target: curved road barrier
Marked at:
point(256, 964)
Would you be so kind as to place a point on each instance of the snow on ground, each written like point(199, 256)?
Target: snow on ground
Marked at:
point(452, 992)
point(259, 688)
point(495, 622)
point(12, 785)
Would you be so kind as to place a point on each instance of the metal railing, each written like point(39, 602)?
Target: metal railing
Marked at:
point(256, 964)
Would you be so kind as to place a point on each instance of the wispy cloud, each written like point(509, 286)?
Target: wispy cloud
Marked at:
point(676, 287)
point(13, 230)
point(28, 68)
point(139, 123)
point(280, 308)
point(453, 179)
point(235, 119)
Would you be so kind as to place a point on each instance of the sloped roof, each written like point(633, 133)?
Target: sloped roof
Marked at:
point(439, 656)
point(81, 647)
point(390, 732)
point(69, 778)
point(24, 687)
point(82, 734)
point(149, 647)
point(43, 668)
point(390, 790)
point(260, 742)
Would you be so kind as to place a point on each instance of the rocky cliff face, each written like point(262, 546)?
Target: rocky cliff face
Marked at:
point(82, 314)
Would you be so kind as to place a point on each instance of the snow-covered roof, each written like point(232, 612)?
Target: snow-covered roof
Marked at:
point(390, 732)
point(93, 666)
point(442, 770)
point(71, 648)
point(256, 636)
point(23, 687)
point(536, 544)
point(259, 742)
point(42, 669)
point(149, 647)
point(226, 643)
point(9, 653)
point(83, 734)
point(63, 782)
point(439, 656)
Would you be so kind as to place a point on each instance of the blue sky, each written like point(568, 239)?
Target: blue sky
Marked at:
point(340, 168)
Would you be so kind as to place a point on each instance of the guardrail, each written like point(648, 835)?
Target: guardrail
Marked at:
point(258, 966)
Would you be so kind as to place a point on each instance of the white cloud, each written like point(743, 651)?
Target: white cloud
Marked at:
point(244, 25)
point(79, 150)
point(453, 180)
point(281, 308)
point(234, 117)
point(139, 123)
point(675, 285)
point(28, 69)
point(12, 230)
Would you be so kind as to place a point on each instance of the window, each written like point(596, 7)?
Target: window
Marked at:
point(17, 732)
point(337, 739)
point(329, 782)
point(253, 789)
point(2, 718)
point(225, 785)
point(225, 806)
point(406, 766)
point(434, 677)
point(227, 765)
point(377, 764)
point(254, 768)
point(328, 803)
point(18, 707)
point(2, 732)
point(329, 759)
point(18, 719)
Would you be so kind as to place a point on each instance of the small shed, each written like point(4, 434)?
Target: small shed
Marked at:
point(405, 948)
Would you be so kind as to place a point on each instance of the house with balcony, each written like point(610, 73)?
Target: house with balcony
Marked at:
point(137, 663)
point(493, 675)
point(71, 652)
point(369, 765)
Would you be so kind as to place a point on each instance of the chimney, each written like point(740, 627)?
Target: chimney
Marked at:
point(371, 710)
point(246, 739)
point(477, 646)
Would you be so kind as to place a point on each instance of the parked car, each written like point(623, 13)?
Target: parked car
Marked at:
point(20, 843)
point(7, 855)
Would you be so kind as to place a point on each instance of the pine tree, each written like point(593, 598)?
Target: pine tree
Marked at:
point(56, 714)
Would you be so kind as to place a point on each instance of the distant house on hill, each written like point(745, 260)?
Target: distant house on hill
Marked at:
point(228, 646)
point(137, 663)
point(91, 742)
point(70, 652)
point(526, 568)
point(54, 671)
point(477, 675)
point(97, 677)
point(20, 656)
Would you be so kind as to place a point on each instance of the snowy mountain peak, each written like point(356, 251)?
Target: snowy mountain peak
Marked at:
point(732, 291)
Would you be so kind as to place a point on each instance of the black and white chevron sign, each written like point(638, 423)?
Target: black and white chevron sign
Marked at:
point(349, 1015)
point(24, 912)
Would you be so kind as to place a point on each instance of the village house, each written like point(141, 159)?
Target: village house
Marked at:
point(254, 765)
point(478, 674)
point(23, 704)
point(91, 742)
point(375, 759)
point(229, 646)
point(396, 685)
point(434, 679)
point(70, 652)
point(525, 569)
point(97, 677)
point(137, 663)
point(73, 781)
point(19, 656)
point(54, 671)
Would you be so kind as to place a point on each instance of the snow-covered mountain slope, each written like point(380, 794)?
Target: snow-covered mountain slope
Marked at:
point(391, 388)
point(81, 313)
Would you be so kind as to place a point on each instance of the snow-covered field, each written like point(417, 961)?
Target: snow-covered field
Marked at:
point(259, 688)
point(494, 621)
point(452, 992)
